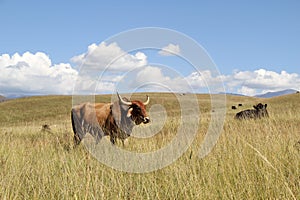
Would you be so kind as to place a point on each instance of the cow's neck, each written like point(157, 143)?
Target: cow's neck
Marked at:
point(126, 124)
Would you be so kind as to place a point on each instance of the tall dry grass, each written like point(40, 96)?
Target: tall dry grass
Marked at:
point(255, 159)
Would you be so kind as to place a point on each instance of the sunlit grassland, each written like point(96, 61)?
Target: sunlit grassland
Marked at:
point(254, 159)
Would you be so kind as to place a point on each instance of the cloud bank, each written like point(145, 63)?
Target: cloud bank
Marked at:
point(35, 74)
point(261, 81)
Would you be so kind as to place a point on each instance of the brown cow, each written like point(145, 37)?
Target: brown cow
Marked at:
point(114, 119)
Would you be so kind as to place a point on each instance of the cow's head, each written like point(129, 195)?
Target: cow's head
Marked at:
point(261, 109)
point(135, 110)
point(129, 113)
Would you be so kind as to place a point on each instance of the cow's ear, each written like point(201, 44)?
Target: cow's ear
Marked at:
point(266, 105)
point(255, 107)
point(129, 112)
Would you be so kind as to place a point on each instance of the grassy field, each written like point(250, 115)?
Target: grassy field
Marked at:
point(254, 159)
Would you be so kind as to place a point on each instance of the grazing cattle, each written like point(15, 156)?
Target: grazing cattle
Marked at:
point(113, 119)
point(240, 104)
point(233, 107)
point(259, 111)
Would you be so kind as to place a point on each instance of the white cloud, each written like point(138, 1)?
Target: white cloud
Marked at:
point(151, 74)
point(262, 80)
point(244, 82)
point(246, 91)
point(200, 79)
point(89, 85)
point(34, 74)
point(170, 50)
point(109, 57)
point(152, 78)
point(206, 80)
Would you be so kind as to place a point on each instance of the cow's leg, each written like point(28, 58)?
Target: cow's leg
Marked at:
point(77, 140)
point(96, 132)
point(77, 128)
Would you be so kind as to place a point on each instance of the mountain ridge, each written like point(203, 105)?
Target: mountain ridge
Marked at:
point(277, 93)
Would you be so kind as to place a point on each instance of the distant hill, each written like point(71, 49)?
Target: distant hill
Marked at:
point(278, 93)
point(233, 94)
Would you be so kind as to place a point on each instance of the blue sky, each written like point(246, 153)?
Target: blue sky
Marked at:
point(255, 40)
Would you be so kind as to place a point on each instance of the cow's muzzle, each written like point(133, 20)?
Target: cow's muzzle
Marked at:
point(146, 120)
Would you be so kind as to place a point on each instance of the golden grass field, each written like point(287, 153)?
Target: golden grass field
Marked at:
point(254, 159)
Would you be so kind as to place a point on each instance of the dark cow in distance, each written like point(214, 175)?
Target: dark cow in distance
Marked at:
point(233, 107)
point(259, 111)
point(115, 120)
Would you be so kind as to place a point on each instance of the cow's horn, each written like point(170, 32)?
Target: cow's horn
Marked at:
point(148, 100)
point(124, 102)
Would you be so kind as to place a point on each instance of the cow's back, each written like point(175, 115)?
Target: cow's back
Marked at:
point(246, 114)
point(102, 112)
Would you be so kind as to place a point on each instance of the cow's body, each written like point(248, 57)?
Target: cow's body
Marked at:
point(259, 111)
point(113, 119)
